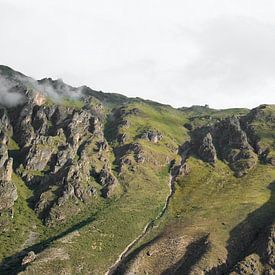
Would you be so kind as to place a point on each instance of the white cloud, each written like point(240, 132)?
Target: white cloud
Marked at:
point(180, 52)
point(235, 63)
point(9, 97)
point(236, 51)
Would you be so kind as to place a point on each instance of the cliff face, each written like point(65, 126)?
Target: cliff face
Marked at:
point(8, 192)
point(62, 154)
point(229, 142)
point(83, 173)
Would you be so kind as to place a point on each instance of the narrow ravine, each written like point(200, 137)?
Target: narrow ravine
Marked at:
point(174, 172)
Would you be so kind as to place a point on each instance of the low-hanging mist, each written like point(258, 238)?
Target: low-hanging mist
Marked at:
point(14, 86)
point(9, 97)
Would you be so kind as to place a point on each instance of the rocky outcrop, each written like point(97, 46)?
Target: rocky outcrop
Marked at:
point(229, 132)
point(262, 260)
point(23, 129)
point(63, 155)
point(129, 156)
point(6, 173)
point(8, 195)
point(229, 142)
point(250, 265)
point(259, 123)
point(74, 167)
point(118, 123)
point(108, 181)
point(8, 191)
point(137, 150)
point(80, 123)
point(28, 258)
point(269, 253)
point(180, 170)
point(152, 135)
point(207, 150)
point(38, 156)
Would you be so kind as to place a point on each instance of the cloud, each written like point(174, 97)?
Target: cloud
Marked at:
point(8, 96)
point(56, 89)
point(12, 91)
point(224, 61)
point(236, 56)
point(198, 51)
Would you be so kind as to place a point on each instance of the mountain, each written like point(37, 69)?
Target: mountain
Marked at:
point(98, 183)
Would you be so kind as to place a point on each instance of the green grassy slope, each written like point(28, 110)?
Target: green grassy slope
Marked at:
point(211, 217)
point(114, 223)
point(211, 202)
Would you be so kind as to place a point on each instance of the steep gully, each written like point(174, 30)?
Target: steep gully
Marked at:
point(174, 173)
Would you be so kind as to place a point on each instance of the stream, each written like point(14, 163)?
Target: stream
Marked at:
point(174, 172)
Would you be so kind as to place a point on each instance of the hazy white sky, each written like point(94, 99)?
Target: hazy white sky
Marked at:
point(180, 52)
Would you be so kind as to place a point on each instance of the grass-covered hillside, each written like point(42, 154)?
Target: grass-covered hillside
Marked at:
point(95, 183)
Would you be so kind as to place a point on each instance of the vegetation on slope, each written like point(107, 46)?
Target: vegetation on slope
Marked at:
point(97, 168)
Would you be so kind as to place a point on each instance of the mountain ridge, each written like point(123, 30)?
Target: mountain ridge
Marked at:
point(83, 173)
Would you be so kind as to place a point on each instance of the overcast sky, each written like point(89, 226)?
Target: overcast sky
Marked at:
point(179, 52)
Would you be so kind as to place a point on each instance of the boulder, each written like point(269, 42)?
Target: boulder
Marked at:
point(152, 135)
point(28, 258)
point(107, 180)
point(8, 195)
point(207, 150)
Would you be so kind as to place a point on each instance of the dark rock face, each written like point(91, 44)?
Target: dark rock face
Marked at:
point(38, 155)
point(229, 142)
point(107, 180)
point(118, 120)
point(8, 195)
point(229, 133)
point(128, 156)
point(269, 253)
point(258, 123)
point(262, 260)
point(8, 191)
point(63, 156)
point(152, 135)
point(250, 265)
point(180, 170)
point(81, 146)
point(207, 150)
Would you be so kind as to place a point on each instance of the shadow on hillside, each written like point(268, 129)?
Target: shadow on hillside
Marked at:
point(242, 237)
point(121, 269)
point(194, 252)
point(12, 265)
point(239, 244)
